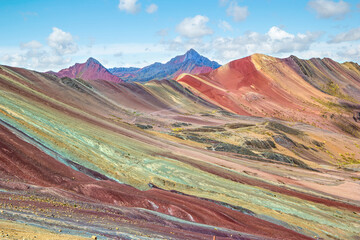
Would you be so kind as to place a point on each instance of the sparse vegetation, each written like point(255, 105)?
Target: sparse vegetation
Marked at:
point(333, 89)
point(348, 127)
point(260, 144)
point(144, 126)
point(276, 127)
point(225, 147)
point(73, 84)
point(283, 158)
point(238, 125)
point(206, 129)
point(348, 158)
point(180, 124)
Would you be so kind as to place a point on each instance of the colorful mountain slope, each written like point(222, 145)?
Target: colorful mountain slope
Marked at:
point(154, 160)
point(90, 70)
point(289, 89)
point(339, 80)
point(190, 62)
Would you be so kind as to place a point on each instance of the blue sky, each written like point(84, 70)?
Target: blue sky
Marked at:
point(52, 34)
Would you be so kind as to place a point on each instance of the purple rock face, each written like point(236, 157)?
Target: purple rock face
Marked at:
point(90, 70)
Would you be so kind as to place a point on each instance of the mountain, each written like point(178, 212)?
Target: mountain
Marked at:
point(124, 73)
point(171, 159)
point(290, 89)
point(190, 62)
point(90, 70)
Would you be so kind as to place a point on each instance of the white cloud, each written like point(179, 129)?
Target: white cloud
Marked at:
point(350, 52)
point(276, 42)
point(34, 55)
point(276, 33)
point(40, 60)
point(352, 35)
point(224, 25)
point(329, 8)
point(131, 53)
point(46, 59)
point(152, 8)
point(180, 44)
point(32, 45)
point(13, 59)
point(130, 6)
point(62, 42)
point(194, 27)
point(238, 13)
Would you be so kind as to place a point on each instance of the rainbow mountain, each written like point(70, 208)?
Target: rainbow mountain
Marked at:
point(259, 148)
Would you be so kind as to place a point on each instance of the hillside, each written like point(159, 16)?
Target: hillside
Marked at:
point(220, 154)
point(310, 91)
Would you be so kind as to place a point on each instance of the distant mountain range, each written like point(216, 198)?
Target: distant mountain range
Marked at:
point(191, 62)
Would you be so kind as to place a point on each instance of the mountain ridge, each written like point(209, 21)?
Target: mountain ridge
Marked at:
point(92, 69)
point(287, 88)
point(190, 62)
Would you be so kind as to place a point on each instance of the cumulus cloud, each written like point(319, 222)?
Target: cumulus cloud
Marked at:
point(31, 45)
point(62, 42)
point(130, 6)
point(238, 13)
point(224, 25)
point(152, 8)
point(329, 8)
point(35, 55)
point(14, 59)
point(352, 35)
point(194, 27)
point(38, 59)
point(184, 44)
point(276, 33)
point(350, 52)
point(275, 41)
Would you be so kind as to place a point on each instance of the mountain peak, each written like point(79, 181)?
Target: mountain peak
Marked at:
point(93, 60)
point(92, 69)
point(194, 57)
point(190, 62)
point(192, 54)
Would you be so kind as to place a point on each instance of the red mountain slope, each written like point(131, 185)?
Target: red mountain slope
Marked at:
point(261, 85)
